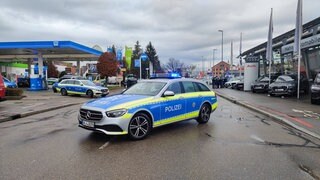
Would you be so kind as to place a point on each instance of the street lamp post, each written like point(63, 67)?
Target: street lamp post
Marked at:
point(221, 45)
point(213, 58)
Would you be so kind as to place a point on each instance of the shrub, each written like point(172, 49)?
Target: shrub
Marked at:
point(14, 92)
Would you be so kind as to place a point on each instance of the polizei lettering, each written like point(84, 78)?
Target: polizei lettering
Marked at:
point(173, 108)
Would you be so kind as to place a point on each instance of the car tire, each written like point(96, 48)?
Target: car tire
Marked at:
point(139, 126)
point(90, 93)
point(104, 95)
point(204, 114)
point(270, 94)
point(253, 91)
point(313, 101)
point(54, 90)
point(64, 92)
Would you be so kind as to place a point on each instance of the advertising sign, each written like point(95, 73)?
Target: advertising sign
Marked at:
point(137, 63)
point(250, 74)
point(119, 54)
point(128, 54)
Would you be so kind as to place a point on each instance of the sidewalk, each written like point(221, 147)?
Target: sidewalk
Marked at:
point(37, 102)
point(300, 114)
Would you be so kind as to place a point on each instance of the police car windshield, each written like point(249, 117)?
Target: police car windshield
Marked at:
point(146, 88)
point(88, 83)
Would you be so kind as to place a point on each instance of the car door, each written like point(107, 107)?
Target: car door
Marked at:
point(173, 108)
point(193, 97)
point(77, 87)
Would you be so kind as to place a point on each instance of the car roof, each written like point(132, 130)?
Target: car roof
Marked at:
point(172, 80)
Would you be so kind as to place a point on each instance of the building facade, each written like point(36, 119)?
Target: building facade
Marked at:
point(284, 60)
point(219, 69)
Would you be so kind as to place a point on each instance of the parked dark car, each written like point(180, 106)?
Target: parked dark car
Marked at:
point(262, 83)
point(315, 90)
point(288, 85)
point(55, 85)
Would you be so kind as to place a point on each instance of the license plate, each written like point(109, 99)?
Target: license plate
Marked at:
point(88, 124)
point(279, 89)
point(258, 87)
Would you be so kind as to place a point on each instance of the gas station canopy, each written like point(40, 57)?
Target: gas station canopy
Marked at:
point(62, 50)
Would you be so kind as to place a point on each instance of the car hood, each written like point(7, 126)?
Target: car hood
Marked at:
point(282, 84)
point(97, 87)
point(116, 101)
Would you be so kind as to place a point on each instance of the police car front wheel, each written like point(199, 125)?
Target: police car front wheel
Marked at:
point(139, 126)
point(64, 92)
point(204, 114)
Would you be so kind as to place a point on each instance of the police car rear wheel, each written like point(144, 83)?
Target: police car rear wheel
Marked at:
point(204, 114)
point(139, 126)
point(90, 93)
point(64, 92)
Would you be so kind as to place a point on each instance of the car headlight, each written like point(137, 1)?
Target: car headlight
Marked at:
point(116, 113)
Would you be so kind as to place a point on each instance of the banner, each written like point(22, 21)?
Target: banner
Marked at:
point(128, 54)
point(119, 54)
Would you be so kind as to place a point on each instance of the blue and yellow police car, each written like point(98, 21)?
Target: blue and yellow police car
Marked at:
point(149, 104)
point(81, 87)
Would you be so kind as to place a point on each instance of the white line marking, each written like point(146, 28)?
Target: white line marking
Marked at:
point(104, 146)
point(257, 138)
point(36, 104)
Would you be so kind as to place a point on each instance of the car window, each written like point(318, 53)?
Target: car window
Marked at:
point(88, 83)
point(284, 79)
point(77, 82)
point(317, 79)
point(146, 88)
point(196, 87)
point(264, 79)
point(175, 87)
point(188, 87)
point(202, 87)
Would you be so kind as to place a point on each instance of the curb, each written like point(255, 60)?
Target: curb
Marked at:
point(26, 114)
point(275, 117)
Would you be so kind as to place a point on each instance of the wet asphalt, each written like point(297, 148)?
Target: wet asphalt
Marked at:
point(235, 144)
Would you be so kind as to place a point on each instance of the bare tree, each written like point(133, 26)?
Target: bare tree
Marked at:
point(174, 65)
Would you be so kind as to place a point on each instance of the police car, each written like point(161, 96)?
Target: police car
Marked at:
point(81, 87)
point(149, 104)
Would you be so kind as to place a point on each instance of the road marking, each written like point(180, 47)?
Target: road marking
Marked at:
point(104, 146)
point(36, 104)
point(257, 138)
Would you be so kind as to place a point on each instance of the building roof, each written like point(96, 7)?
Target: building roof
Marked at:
point(286, 38)
point(62, 50)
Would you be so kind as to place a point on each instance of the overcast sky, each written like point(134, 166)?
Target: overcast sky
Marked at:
point(185, 30)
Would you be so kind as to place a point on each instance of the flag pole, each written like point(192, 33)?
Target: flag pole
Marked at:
point(297, 39)
point(269, 53)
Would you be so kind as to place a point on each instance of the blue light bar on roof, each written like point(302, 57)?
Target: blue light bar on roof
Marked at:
point(165, 76)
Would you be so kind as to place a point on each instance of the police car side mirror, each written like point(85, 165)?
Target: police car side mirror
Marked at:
point(168, 93)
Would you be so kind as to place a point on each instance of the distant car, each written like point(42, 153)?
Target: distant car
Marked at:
point(315, 90)
point(231, 83)
point(130, 80)
point(2, 89)
point(149, 104)
point(288, 85)
point(54, 86)
point(239, 84)
point(262, 83)
point(81, 87)
point(23, 82)
point(51, 81)
point(9, 84)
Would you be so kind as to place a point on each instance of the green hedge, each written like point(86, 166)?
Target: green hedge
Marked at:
point(14, 92)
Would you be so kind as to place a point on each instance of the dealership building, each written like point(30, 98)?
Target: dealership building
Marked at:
point(284, 60)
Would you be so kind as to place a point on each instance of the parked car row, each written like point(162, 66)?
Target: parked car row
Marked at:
point(281, 85)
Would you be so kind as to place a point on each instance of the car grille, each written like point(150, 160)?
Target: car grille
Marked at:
point(104, 90)
point(90, 115)
point(280, 88)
